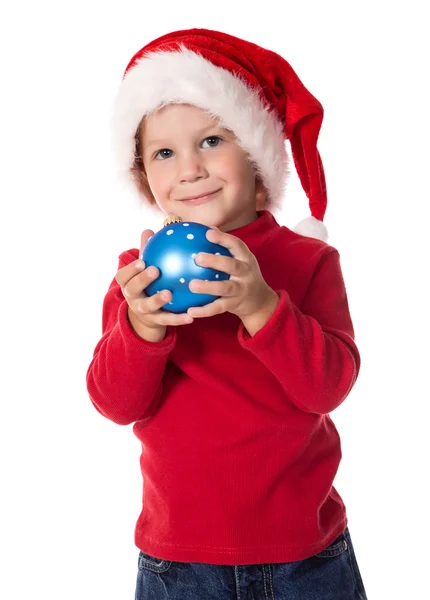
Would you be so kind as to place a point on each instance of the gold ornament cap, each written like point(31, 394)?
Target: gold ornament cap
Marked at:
point(171, 219)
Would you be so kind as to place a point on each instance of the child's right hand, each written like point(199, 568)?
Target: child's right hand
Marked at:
point(144, 311)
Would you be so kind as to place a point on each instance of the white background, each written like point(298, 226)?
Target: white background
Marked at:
point(70, 479)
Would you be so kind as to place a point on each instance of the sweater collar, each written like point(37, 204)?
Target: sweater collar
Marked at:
point(258, 231)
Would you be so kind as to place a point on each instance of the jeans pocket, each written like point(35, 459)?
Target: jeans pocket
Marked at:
point(151, 563)
point(337, 547)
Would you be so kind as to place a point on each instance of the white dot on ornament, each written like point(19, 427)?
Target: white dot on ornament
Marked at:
point(182, 280)
point(190, 236)
point(169, 232)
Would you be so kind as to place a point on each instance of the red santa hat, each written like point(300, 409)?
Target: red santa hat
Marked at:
point(251, 90)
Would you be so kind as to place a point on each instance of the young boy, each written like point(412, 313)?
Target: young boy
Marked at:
point(239, 452)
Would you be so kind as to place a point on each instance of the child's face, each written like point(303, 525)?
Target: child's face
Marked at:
point(185, 154)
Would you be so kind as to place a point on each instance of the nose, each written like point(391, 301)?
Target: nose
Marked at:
point(192, 167)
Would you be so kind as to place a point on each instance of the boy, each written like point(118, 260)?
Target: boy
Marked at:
point(238, 450)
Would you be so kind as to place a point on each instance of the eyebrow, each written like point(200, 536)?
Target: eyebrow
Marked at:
point(161, 141)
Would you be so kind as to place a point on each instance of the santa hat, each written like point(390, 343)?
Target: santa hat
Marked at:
point(251, 90)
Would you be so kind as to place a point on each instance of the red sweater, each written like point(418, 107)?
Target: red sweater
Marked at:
point(239, 452)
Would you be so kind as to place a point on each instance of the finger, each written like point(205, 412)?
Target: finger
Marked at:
point(124, 275)
point(144, 237)
point(152, 306)
point(217, 307)
point(158, 300)
point(138, 282)
point(237, 248)
point(216, 288)
point(226, 264)
point(168, 318)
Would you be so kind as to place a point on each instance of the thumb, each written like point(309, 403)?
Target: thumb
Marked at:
point(144, 237)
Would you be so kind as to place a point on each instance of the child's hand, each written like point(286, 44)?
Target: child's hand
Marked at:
point(245, 293)
point(133, 279)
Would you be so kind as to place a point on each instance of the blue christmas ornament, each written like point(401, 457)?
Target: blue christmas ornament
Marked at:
point(173, 250)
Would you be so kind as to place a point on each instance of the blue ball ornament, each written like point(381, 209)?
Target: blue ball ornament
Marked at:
point(173, 250)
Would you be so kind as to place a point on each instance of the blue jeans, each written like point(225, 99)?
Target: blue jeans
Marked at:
point(332, 574)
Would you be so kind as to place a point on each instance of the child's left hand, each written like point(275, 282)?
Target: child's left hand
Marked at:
point(245, 293)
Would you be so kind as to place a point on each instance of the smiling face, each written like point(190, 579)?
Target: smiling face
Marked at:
point(185, 153)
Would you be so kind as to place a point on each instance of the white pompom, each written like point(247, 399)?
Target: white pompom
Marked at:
point(312, 227)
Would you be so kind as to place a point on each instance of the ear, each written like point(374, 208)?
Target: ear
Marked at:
point(260, 194)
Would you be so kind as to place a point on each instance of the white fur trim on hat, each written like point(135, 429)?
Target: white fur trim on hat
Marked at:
point(185, 77)
point(312, 227)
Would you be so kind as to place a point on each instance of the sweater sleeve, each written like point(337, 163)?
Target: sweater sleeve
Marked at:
point(124, 378)
point(311, 351)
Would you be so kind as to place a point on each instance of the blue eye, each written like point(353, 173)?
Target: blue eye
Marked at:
point(215, 138)
point(163, 150)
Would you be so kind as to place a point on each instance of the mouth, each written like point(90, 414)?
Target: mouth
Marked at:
point(200, 199)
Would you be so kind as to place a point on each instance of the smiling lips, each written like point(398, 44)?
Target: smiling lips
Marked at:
point(200, 199)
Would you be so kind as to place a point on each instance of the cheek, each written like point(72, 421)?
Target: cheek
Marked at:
point(158, 178)
point(242, 172)
point(234, 167)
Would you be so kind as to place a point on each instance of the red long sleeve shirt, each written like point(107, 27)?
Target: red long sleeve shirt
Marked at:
point(239, 452)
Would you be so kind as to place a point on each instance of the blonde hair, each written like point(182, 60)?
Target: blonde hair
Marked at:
point(142, 184)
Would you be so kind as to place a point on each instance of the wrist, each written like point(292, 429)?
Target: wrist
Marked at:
point(149, 334)
point(257, 320)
